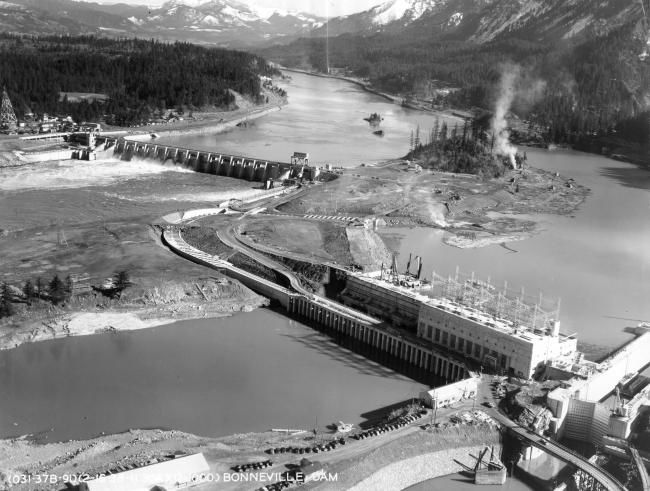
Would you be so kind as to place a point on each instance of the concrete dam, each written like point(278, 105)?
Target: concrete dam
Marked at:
point(239, 167)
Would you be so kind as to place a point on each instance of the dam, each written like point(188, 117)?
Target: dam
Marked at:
point(220, 164)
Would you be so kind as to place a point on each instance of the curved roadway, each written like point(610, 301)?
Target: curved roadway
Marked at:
point(229, 238)
point(559, 451)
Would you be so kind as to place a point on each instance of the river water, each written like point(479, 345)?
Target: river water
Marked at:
point(596, 262)
point(260, 370)
point(249, 372)
point(324, 118)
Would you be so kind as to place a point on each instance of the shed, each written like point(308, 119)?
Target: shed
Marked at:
point(178, 473)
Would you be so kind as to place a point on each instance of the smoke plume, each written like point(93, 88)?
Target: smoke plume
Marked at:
point(507, 91)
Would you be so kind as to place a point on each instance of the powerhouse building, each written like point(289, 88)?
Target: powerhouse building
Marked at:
point(484, 338)
point(495, 343)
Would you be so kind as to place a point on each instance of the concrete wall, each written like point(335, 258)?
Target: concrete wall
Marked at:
point(383, 302)
point(372, 332)
point(239, 167)
point(629, 359)
point(586, 421)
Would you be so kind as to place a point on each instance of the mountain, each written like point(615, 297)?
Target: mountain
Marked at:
point(485, 20)
point(582, 65)
point(222, 22)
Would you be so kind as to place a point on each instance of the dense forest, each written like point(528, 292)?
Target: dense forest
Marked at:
point(465, 149)
point(141, 78)
point(592, 88)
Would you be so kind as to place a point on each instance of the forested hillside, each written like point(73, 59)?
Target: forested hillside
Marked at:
point(140, 78)
point(569, 89)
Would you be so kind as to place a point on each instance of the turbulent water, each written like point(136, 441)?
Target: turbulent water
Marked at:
point(74, 192)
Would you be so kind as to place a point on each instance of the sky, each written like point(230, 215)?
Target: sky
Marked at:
point(332, 8)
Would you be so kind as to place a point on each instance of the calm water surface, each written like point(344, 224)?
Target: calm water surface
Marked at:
point(249, 372)
point(324, 118)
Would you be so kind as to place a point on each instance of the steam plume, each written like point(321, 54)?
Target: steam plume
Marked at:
point(499, 123)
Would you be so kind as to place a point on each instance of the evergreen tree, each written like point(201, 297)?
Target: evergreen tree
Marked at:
point(69, 285)
point(435, 132)
point(28, 290)
point(56, 290)
point(443, 132)
point(121, 281)
point(6, 306)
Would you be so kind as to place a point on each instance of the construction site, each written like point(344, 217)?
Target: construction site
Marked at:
point(311, 246)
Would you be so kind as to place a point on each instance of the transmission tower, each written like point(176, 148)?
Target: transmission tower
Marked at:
point(7, 115)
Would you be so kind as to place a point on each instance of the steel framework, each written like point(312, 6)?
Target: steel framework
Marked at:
point(536, 313)
point(7, 114)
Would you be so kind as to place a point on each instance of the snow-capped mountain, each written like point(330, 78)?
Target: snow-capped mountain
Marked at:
point(223, 22)
point(484, 20)
point(227, 20)
point(404, 10)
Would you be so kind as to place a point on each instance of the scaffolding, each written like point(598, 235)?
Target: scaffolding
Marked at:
point(7, 116)
point(522, 311)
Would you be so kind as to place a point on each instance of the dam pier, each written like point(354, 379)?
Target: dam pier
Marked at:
point(236, 166)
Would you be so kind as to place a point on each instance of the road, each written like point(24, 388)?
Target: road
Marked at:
point(643, 472)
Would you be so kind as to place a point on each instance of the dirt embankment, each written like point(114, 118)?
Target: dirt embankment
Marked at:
point(402, 462)
point(217, 121)
point(474, 212)
point(166, 288)
point(324, 240)
point(353, 463)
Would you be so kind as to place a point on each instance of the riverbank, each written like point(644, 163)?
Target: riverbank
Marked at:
point(354, 465)
point(80, 321)
point(201, 122)
point(165, 288)
point(450, 113)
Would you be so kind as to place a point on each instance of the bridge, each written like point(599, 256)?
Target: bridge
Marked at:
point(591, 476)
point(237, 166)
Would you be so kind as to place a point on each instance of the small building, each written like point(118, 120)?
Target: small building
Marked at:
point(179, 473)
point(450, 393)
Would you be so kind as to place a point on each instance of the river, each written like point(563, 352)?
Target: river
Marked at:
point(249, 372)
point(324, 118)
point(596, 262)
point(260, 370)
